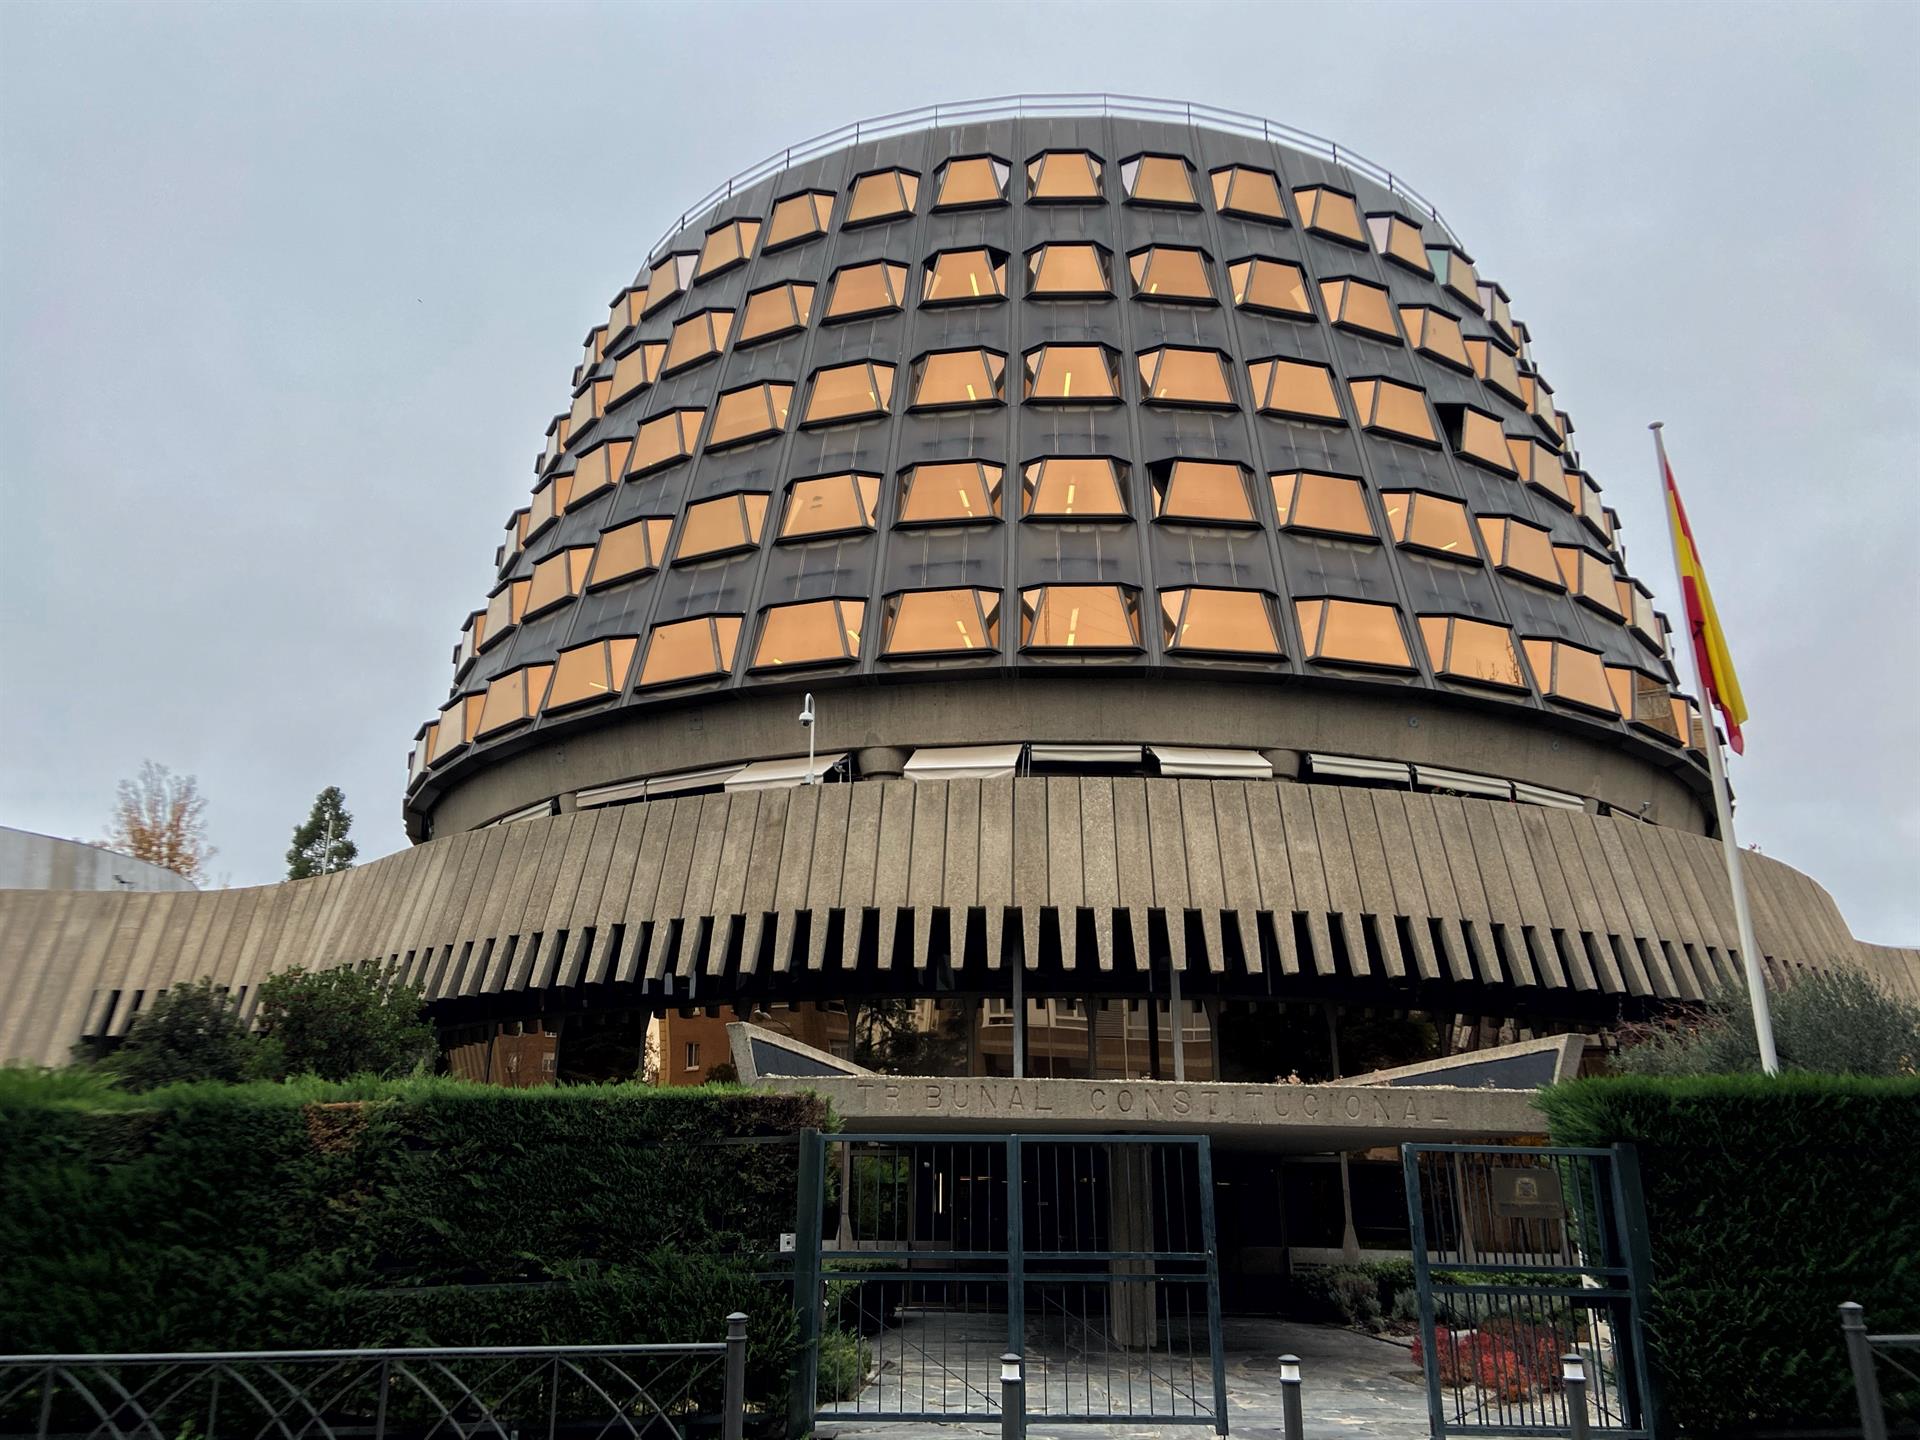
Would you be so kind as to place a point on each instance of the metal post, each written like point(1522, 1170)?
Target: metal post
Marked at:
point(1178, 1020)
point(1573, 1377)
point(1020, 1017)
point(734, 1406)
point(1216, 1343)
point(1013, 1398)
point(1292, 1426)
point(380, 1407)
point(802, 1401)
point(1866, 1384)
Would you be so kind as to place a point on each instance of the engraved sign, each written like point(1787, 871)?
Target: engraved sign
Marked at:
point(1527, 1194)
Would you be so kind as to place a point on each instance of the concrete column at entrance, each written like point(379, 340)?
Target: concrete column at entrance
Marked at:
point(1134, 1297)
point(881, 762)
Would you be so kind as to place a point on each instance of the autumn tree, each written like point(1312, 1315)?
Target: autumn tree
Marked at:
point(321, 846)
point(160, 817)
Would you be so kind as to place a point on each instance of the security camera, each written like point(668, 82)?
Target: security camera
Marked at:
point(806, 711)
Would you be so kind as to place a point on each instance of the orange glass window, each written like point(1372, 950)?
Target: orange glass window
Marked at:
point(1157, 180)
point(664, 439)
point(721, 526)
point(943, 622)
point(513, 699)
point(632, 549)
point(458, 724)
point(598, 469)
point(975, 180)
point(870, 289)
point(1275, 287)
point(1645, 700)
point(696, 338)
point(1477, 436)
point(1521, 549)
point(668, 280)
point(1494, 305)
point(1589, 577)
point(1064, 175)
point(726, 247)
point(471, 635)
point(1455, 273)
point(1472, 650)
point(1398, 238)
point(814, 632)
point(753, 412)
point(595, 671)
point(1241, 190)
point(830, 505)
point(1420, 521)
point(1543, 470)
point(1079, 617)
point(1570, 673)
point(624, 313)
point(1208, 621)
point(1176, 375)
point(1297, 388)
point(637, 369)
point(1356, 305)
point(591, 403)
point(849, 392)
point(504, 609)
point(1329, 212)
point(776, 310)
point(1170, 272)
point(1214, 491)
point(883, 195)
point(1496, 367)
point(1323, 504)
point(1071, 373)
point(1073, 487)
point(960, 277)
point(950, 492)
point(799, 217)
point(957, 379)
point(1353, 632)
point(559, 577)
point(1393, 409)
point(1435, 333)
point(684, 650)
point(549, 502)
point(1069, 270)
point(1537, 396)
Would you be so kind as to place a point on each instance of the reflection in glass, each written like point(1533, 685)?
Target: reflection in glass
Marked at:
point(1274, 286)
point(950, 492)
point(1208, 490)
point(815, 632)
point(1296, 388)
point(1071, 373)
point(1079, 617)
point(1210, 621)
point(1323, 504)
point(943, 622)
point(697, 649)
point(721, 526)
point(1062, 487)
point(1472, 650)
point(830, 505)
point(595, 671)
point(1353, 632)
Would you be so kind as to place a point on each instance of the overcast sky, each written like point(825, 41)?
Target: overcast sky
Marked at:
point(289, 292)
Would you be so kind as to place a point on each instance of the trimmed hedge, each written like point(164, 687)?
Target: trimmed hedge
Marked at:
point(309, 1215)
point(1769, 1201)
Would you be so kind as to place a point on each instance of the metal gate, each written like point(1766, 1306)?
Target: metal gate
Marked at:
point(932, 1255)
point(1524, 1255)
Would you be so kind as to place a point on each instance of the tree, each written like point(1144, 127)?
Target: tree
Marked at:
point(1835, 1021)
point(340, 1023)
point(321, 846)
point(189, 1033)
point(160, 817)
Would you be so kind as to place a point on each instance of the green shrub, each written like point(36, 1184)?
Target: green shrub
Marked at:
point(340, 1023)
point(844, 1358)
point(1769, 1202)
point(189, 1033)
point(1835, 1022)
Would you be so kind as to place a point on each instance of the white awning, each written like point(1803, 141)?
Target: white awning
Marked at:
point(1085, 754)
point(964, 762)
point(1460, 781)
point(1540, 795)
point(610, 794)
point(538, 811)
point(1221, 764)
point(1353, 767)
point(782, 774)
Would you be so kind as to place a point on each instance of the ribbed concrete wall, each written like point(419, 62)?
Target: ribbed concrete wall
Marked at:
point(1260, 879)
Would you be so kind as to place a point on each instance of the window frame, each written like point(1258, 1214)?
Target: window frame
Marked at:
point(1159, 355)
point(1310, 218)
point(1241, 287)
point(902, 176)
point(1002, 169)
point(799, 295)
point(1404, 506)
point(1163, 476)
point(822, 223)
point(849, 650)
point(996, 266)
point(1368, 414)
point(1139, 160)
point(992, 480)
point(1140, 269)
point(1096, 174)
point(1033, 477)
point(1034, 599)
point(777, 401)
point(1174, 618)
point(988, 617)
point(1033, 366)
point(866, 499)
point(894, 273)
point(1313, 645)
point(1441, 662)
point(618, 654)
point(993, 366)
point(881, 376)
point(1284, 515)
point(1223, 196)
point(1036, 263)
point(723, 638)
point(1262, 395)
point(753, 526)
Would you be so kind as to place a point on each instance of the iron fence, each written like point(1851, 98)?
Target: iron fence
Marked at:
point(1865, 1353)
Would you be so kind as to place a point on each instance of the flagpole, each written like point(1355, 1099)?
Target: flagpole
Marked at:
point(1722, 804)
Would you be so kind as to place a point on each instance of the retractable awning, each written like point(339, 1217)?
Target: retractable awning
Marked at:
point(1540, 795)
point(1354, 767)
point(1184, 760)
point(964, 762)
point(1085, 754)
point(782, 774)
point(1462, 782)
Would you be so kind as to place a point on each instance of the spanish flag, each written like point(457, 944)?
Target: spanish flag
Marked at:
point(1717, 677)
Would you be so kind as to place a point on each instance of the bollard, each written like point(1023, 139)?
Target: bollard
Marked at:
point(1293, 1427)
point(1573, 1376)
point(1013, 1399)
point(1866, 1384)
point(734, 1404)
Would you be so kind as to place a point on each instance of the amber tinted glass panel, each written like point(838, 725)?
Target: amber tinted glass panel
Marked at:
point(637, 368)
point(696, 338)
point(1177, 376)
point(590, 403)
point(599, 468)
point(961, 276)
point(799, 217)
point(1471, 650)
point(830, 505)
point(1399, 239)
point(1496, 367)
point(850, 392)
point(668, 279)
point(1567, 672)
point(1294, 387)
point(591, 672)
point(1068, 270)
point(1356, 305)
point(1542, 469)
point(1353, 632)
point(1588, 576)
point(1275, 286)
point(1071, 372)
point(1455, 273)
point(943, 622)
point(1238, 190)
point(1158, 180)
point(558, 577)
point(1218, 622)
point(753, 412)
point(977, 180)
point(955, 379)
point(631, 549)
point(1079, 617)
point(1063, 175)
point(776, 310)
point(727, 247)
point(1520, 549)
point(867, 290)
point(1430, 522)
point(690, 649)
point(504, 610)
point(664, 439)
point(1073, 487)
point(818, 632)
point(1436, 333)
point(511, 699)
point(1481, 439)
point(1393, 409)
point(951, 491)
point(1211, 490)
point(1170, 272)
point(885, 195)
point(1325, 504)
point(718, 527)
point(1493, 302)
point(1328, 212)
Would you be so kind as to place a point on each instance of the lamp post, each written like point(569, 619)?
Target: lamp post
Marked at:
point(806, 723)
point(1293, 1427)
point(1013, 1405)
point(1573, 1377)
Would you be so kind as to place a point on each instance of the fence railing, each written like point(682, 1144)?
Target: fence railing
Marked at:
point(1865, 1352)
point(1061, 104)
point(641, 1392)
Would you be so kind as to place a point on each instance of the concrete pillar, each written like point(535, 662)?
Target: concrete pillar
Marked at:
point(1134, 1312)
point(1286, 763)
point(881, 762)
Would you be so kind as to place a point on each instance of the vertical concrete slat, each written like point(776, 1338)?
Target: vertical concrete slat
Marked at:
point(1626, 923)
point(1309, 871)
point(960, 890)
point(538, 895)
point(1508, 927)
point(1591, 903)
point(926, 863)
point(828, 872)
point(621, 861)
point(1343, 879)
point(670, 900)
point(1206, 886)
point(1066, 863)
point(797, 849)
point(856, 876)
point(1133, 863)
point(1529, 896)
point(1670, 934)
point(696, 909)
point(1030, 880)
point(763, 871)
point(730, 888)
point(1449, 814)
point(1100, 864)
point(643, 943)
point(1275, 870)
point(1237, 872)
point(1403, 874)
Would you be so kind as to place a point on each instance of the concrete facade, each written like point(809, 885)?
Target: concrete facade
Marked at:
point(46, 862)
